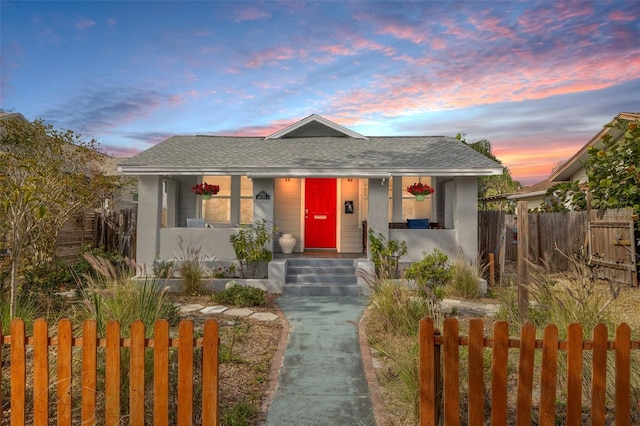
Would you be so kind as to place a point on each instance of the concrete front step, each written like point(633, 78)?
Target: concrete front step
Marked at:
point(320, 290)
point(331, 270)
point(323, 278)
point(320, 277)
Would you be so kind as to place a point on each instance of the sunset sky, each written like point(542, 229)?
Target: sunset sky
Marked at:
point(536, 78)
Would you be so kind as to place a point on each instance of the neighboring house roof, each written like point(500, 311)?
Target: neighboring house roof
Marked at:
point(9, 115)
point(288, 153)
point(535, 190)
point(575, 163)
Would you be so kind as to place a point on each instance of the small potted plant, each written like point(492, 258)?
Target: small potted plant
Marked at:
point(205, 190)
point(420, 190)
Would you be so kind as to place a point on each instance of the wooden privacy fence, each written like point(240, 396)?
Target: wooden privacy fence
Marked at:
point(607, 234)
point(440, 371)
point(43, 386)
point(567, 231)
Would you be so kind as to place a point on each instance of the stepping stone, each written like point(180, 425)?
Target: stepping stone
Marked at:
point(264, 316)
point(211, 310)
point(185, 309)
point(238, 312)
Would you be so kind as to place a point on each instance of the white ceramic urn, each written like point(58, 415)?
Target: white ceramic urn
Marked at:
point(287, 243)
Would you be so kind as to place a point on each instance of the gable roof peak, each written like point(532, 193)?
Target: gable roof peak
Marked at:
point(312, 126)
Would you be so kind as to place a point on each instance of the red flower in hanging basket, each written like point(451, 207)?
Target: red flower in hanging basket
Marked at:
point(205, 189)
point(420, 188)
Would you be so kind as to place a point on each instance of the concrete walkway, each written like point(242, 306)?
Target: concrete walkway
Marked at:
point(322, 381)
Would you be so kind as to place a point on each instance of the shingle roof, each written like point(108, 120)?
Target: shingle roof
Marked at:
point(312, 156)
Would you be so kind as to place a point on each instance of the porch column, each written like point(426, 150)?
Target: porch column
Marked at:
point(263, 198)
point(149, 219)
point(172, 195)
point(465, 215)
point(235, 199)
point(378, 208)
point(397, 199)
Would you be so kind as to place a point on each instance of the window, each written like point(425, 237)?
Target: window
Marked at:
point(246, 200)
point(220, 207)
point(412, 209)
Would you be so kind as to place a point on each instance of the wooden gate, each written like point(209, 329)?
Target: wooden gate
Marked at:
point(612, 245)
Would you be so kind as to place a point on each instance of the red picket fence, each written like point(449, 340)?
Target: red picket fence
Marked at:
point(50, 361)
point(440, 373)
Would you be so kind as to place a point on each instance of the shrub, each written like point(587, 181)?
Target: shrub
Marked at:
point(111, 296)
point(243, 296)
point(83, 267)
point(191, 267)
point(430, 274)
point(386, 255)
point(399, 309)
point(575, 297)
point(396, 309)
point(26, 308)
point(47, 278)
point(464, 279)
point(250, 244)
point(164, 268)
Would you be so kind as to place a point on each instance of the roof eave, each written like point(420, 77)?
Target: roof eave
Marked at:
point(526, 195)
point(303, 172)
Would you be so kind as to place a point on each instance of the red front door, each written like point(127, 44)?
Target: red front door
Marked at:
point(320, 213)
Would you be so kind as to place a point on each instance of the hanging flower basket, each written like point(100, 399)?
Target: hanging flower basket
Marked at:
point(420, 190)
point(205, 190)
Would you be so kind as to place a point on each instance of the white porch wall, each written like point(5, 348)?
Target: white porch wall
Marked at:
point(421, 241)
point(149, 219)
point(212, 242)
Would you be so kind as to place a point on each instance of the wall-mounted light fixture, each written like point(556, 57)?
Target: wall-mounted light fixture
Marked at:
point(350, 180)
point(287, 179)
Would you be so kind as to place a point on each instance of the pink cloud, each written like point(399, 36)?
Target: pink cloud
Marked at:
point(456, 85)
point(122, 151)
point(585, 30)
point(493, 28)
point(438, 43)
point(250, 14)
point(85, 23)
point(404, 32)
point(620, 16)
point(271, 56)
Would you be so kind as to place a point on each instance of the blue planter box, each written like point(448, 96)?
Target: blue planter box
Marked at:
point(418, 223)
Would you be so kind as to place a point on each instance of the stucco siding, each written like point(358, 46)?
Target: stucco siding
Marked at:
point(287, 209)
point(420, 241)
point(350, 225)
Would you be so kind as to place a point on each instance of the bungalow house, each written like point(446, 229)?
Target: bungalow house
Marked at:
point(315, 179)
point(573, 169)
